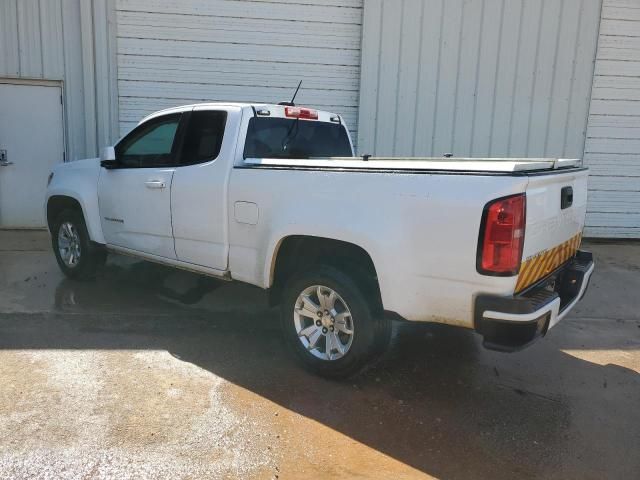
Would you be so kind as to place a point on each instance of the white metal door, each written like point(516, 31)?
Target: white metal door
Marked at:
point(31, 141)
point(173, 53)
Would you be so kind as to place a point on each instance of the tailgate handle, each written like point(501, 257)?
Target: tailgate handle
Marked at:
point(566, 197)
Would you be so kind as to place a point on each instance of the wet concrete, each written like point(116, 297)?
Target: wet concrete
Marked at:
point(156, 373)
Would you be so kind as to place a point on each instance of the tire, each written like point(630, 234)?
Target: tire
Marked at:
point(69, 235)
point(351, 311)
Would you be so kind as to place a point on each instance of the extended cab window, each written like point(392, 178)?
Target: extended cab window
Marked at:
point(294, 138)
point(204, 135)
point(150, 144)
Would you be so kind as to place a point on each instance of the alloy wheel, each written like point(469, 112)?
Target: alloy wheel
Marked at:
point(69, 244)
point(323, 322)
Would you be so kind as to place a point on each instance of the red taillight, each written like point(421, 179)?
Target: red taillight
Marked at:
point(502, 236)
point(299, 112)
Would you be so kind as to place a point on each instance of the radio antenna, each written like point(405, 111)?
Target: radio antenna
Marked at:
point(291, 104)
point(296, 93)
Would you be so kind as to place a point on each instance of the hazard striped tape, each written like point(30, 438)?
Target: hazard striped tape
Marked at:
point(542, 264)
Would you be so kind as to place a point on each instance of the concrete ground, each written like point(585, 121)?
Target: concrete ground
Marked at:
point(149, 372)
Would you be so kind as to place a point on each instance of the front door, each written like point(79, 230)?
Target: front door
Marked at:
point(135, 197)
point(31, 143)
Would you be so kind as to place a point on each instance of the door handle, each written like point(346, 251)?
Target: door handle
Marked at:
point(155, 184)
point(5, 164)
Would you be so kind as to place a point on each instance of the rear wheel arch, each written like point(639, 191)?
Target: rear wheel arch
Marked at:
point(296, 253)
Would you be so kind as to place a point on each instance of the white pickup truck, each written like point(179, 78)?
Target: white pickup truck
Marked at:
point(272, 195)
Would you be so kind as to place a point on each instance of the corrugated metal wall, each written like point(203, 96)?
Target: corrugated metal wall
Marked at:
point(612, 149)
point(477, 77)
point(71, 41)
point(175, 52)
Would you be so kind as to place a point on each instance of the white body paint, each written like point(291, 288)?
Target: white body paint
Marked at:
point(418, 219)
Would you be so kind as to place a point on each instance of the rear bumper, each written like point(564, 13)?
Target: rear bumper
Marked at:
point(512, 323)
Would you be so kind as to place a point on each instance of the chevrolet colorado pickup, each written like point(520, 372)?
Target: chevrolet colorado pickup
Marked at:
point(272, 195)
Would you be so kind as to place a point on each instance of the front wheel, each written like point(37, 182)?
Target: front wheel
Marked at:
point(330, 324)
point(75, 254)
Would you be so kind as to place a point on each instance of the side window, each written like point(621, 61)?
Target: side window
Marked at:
point(151, 144)
point(203, 138)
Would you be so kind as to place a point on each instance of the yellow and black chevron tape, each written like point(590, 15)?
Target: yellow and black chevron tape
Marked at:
point(542, 264)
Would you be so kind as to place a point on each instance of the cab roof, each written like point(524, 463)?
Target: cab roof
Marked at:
point(274, 110)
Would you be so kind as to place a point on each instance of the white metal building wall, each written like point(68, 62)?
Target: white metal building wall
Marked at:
point(612, 150)
point(73, 42)
point(477, 77)
point(172, 52)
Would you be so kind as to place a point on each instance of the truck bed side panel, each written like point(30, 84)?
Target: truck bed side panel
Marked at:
point(421, 230)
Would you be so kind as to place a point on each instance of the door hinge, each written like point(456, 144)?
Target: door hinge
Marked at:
point(64, 157)
point(60, 99)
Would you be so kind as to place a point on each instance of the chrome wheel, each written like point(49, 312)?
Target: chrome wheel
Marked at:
point(69, 244)
point(323, 322)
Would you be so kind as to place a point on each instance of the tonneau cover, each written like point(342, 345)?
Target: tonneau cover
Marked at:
point(505, 165)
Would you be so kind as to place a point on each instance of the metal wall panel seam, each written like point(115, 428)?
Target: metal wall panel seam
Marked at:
point(418, 77)
point(495, 83)
point(88, 75)
point(435, 107)
point(477, 80)
point(536, 60)
point(553, 77)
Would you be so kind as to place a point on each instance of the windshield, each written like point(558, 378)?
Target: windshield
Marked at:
point(294, 138)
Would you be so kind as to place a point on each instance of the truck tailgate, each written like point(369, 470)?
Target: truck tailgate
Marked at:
point(556, 208)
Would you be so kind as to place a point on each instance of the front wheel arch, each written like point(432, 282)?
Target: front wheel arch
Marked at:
point(92, 256)
point(57, 204)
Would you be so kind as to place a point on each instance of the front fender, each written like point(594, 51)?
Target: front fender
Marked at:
point(79, 181)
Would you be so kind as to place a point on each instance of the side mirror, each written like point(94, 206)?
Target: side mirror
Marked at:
point(108, 158)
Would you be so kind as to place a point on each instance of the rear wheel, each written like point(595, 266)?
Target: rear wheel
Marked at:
point(75, 254)
point(330, 324)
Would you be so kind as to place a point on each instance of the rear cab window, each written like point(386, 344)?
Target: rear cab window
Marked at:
point(273, 137)
point(203, 137)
